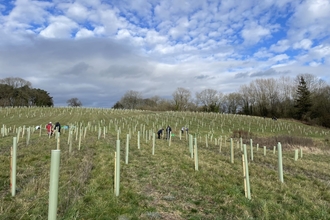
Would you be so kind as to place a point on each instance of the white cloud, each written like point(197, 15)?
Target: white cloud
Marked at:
point(303, 44)
point(180, 29)
point(311, 18)
point(253, 33)
point(321, 50)
point(106, 47)
point(83, 33)
point(313, 63)
point(154, 38)
point(312, 12)
point(279, 58)
point(111, 21)
point(59, 27)
point(123, 34)
point(263, 53)
point(280, 46)
point(77, 12)
point(141, 8)
point(27, 11)
point(286, 64)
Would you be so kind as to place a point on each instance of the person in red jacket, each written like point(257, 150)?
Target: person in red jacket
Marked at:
point(49, 128)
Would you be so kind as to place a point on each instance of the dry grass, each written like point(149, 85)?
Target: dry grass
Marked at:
point(165, 185)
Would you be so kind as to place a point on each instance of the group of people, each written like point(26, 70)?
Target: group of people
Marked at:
point(168, 131)
point(50, 128)
point(184, 129)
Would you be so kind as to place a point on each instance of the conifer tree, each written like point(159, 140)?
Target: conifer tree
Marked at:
point(303, 101)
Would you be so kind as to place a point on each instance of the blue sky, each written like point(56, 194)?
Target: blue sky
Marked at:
point(97, 50)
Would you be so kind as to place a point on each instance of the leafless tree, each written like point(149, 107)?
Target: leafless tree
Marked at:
point(247, 99)
point(209, 99)
point(131, 99)
point(181, 97)
point(15, 82)
point(165, 105)
point(313, 82)
point(231, 103)
point(286, 95)
point(74, 102)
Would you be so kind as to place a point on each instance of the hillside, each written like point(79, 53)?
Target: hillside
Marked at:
point(163, 183)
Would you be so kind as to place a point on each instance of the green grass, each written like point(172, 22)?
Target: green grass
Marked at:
point(164, 185)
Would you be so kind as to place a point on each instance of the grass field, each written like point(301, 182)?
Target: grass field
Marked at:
point(164, 185)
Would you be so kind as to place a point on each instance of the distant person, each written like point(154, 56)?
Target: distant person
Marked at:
point(168, 132)
point(49, 128)
point(182, 130)
point(160, 132)
point(57, 127)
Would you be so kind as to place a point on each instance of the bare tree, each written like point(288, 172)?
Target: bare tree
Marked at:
point(247, 99)
point(312, 82)
point(155, 98)
point(131, 99)
point(232, 103)
point(166, 105)
point(321, 107)
point(74, 102)
point(210, 99)
point(15, 82)
point(286, 95)
point(265, 92)
point(181, 97)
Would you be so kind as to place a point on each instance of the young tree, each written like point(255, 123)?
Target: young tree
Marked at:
point(74, 102)
point(303, 101)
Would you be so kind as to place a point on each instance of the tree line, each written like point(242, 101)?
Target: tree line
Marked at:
point(15, 91)
point(304, 97)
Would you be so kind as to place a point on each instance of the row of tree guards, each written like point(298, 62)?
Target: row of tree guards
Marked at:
point(192, 145)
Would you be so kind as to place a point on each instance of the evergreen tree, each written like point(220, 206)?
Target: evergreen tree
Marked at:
point(303, 102)
point(118, 105)
point(16, 91)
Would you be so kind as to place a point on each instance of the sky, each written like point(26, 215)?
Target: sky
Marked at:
point(96, 50)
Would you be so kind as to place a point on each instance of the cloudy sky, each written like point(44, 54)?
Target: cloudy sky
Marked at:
point(96, 50)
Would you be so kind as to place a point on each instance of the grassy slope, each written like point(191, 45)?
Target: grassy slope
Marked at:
point(164, 185)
